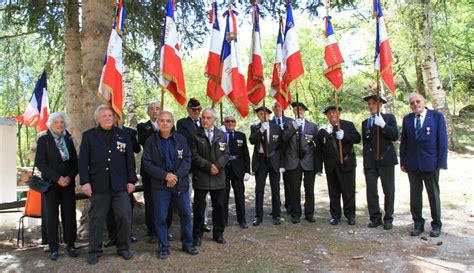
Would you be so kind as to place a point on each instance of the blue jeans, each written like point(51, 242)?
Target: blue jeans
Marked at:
point(161, 201)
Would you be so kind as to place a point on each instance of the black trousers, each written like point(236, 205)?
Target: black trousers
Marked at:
point(387, 178)
point(431, 180)
point(110, 221)
point(65, 197)
point(100, 205)
point(341, 183)
point(239, 195)
point(265, 168)
point(295, 176)
point(149, 207)
point(218, 213)
point(287, 189)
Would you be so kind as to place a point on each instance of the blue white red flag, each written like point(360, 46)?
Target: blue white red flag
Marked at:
point(255, 77)
point(37, 111)
point(214, 89)
point(110, 87)
point(383, 53)
point(293, 68)
point(332, 57)
point(171, 68)
point(282, 96)
point(233, 81)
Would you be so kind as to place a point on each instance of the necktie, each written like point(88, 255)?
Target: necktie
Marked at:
point(278, 121)
point(209, 135)
point(230, 141)
point(370, 123)
point(196, 122)
point(265, 143)
point(418, 126)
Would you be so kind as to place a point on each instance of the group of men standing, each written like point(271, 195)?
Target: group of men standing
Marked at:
point(198, 158)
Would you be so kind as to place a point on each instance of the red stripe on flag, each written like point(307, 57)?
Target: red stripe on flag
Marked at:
point(173, 72)
point(386, 70)
point(238, 96)
point(255, 86)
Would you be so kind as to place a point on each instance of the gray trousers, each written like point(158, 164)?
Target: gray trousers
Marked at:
point(207, 211)
point(100, 205)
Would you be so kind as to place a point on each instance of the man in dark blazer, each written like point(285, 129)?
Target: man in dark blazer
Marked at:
point(107, 175)
point(167, 159)
point(145, 130)
point(340, 177)
point(423, 152)
point(210, 155)
point(298, 139)
point(237, 170)
point(280, 119)
point(382, 165)
point(266, 160)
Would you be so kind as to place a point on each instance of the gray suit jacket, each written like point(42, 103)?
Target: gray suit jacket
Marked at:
point(308, 138)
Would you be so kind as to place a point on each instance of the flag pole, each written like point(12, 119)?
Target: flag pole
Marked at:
point(162, 99)
point(338, 126)
point(377, 77)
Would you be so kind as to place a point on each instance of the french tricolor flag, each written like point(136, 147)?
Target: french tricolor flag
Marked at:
point(383, 53)
point(171, 76)
point(214, 89)
point(293, 68)
point(255, 77)
point(282, 96)
point(332, 57)
point(37, 111)
point(233, 81)
point(110, 87)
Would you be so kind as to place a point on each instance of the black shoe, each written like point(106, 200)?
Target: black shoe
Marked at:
point(334, 221)
point(387, 226)
point(110, 243)
point(206, 228)
point(125, 254)
point(435, 232)
point(417, 231)
point(191, 250)
point(54, 256)
point(219, 239)
point(256, 222)
point(375, 224)
point(243, 225)
point(152, 239)
point(277, 221)
point(72, 251)
point(93, 259)
point(351, 221)
point(295, 220)
point(310, 219)
point(170, 237)
point(197, 241)
point(133, 239)
point(163, 254)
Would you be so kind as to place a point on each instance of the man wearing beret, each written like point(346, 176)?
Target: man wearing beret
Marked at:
point(423, 152)
point(187, 127)
point(379, 162)
point(299, 139)
point(340, 176)
point(266, 156)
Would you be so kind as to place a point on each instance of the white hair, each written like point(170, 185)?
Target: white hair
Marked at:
point(412, 95)
point(229, 116)
point(166, 112)
point(100, 108)
point(157, 103)
point(54, 116)
point(210, 110)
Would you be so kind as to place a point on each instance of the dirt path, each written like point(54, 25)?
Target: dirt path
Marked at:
point(301, 247)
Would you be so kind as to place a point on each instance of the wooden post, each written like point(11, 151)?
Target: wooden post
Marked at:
point(377, 137)
point(338, 127)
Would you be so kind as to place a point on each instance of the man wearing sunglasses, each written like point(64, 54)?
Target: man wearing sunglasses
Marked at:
point(187, 127)
point(423, 152)
point(237, 170)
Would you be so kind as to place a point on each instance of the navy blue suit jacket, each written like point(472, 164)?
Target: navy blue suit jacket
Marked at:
point(430, 151)
point(155, 165)
point(186, 127)
point(96, 168)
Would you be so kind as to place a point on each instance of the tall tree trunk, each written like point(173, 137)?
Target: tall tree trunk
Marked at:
point(97, 17)
point(430, 70)
point(72, 70)
point(129, 103)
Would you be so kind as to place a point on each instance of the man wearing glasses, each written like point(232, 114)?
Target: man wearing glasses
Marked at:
point(187, 127)
point(423, 152)
point(237, 170)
